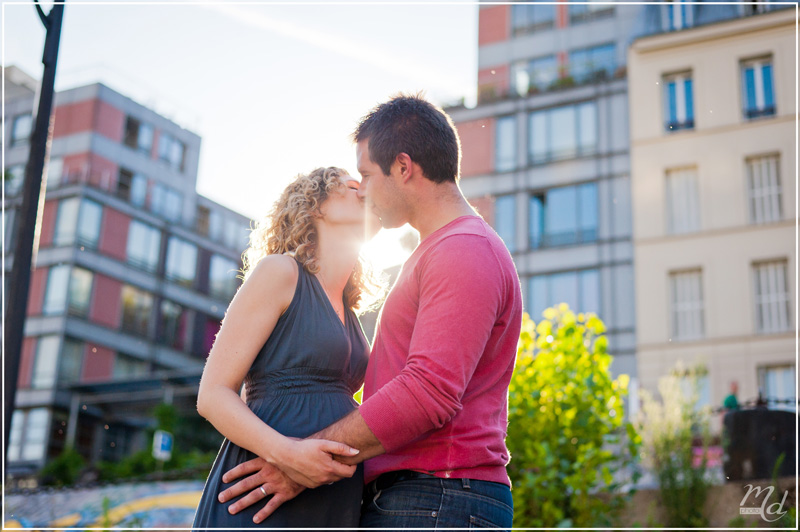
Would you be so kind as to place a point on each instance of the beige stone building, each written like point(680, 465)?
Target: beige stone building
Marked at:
point(713, 152)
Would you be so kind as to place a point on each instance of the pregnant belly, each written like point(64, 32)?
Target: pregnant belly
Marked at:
point(300, 415)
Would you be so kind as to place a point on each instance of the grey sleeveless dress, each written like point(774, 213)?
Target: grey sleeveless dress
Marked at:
point(301, 381)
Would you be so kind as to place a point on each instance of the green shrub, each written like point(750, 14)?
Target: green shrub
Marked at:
point(669, 429)
point(64, 470)
point(565, 416)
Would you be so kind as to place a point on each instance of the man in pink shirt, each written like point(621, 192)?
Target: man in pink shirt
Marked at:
point(433, 422)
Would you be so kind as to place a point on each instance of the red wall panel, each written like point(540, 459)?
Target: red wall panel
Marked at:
point(74, 118)
point(494, 24)
point(36, 292)
point(48, 223)
point(26, 362)
point(98, 363)
point(114, 233)
point(110, 121)
point(477, 146)
point(105, 307)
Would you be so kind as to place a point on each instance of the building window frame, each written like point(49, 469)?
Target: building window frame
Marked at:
point(682, 193)
point(687, 304)
point(538, 235)
point(678, 98)
point(773, 313)
point(503, 161)
point(21, 129)
point(505, 219)
point(764, 193)
point(530, 17)
point(583, 144)
point(758, 90)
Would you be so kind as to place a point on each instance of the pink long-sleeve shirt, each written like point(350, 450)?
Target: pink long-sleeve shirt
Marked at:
point(436, 387)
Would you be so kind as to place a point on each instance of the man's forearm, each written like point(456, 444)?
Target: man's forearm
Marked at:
point(353, 431)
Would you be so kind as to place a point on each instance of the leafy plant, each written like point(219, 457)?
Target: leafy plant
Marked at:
point(669, 429)
point(569, 443)
point(64, 470)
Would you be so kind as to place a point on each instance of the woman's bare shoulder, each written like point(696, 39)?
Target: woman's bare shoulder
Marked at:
point(274, 275)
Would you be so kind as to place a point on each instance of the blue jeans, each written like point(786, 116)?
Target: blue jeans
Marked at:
point(438, 503)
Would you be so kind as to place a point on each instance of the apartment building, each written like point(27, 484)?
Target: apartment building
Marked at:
point(713, 114)
point(133, 273)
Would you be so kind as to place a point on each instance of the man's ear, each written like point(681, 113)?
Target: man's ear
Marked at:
point(405, 166)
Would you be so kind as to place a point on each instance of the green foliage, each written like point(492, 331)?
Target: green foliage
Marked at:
point(166, 416)
point(64, 470)
point(669, 429)
point(566, 433)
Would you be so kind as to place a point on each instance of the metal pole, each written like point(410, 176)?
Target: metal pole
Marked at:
point(19, 281)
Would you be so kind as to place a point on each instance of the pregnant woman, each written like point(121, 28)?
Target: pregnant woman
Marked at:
point(291, 337)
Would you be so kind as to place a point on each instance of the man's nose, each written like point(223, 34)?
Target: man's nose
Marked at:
point(362, 191)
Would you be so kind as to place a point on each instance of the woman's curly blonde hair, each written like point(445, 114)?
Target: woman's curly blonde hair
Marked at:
point(289, 228)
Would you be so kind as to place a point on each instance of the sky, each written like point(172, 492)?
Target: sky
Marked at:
point(273, 89)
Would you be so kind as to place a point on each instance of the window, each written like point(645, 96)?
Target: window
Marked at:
point(778, 385)
point(590, 64)
point(505, 144)
point(233, 234)
point(136, 308)
point(78, 220)
point(181, 261)
point(562, 132)
point(750, 8)
point(173, 324)
point(80, 292)
point(55, 170)
point(215, 226)
point(202, 219)
point(679, 102)
point(687, 305)
point(71, 361)
point(89, 221)
point(171, 150)
point(222, 281)
point(764, 189)
point(578, 289)
point(66, 222)
point(138, 135)
point(55, 295)
point(759, 96)
point(13, 178)
point(8, 221)
point(166, 201)
point(526, 18)
point(67, 289)
point(772, 297)
point(44, 364)
point(535, 75)
point(126, 366)
point(28, 437)
point(21, 129)
point(678, 15)
point(505, 220)
point(585, 12)
point(563, 216)
point(132, 187)
point(683, 206)
point(144, 243)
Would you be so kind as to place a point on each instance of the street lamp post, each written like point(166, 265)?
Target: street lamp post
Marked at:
point(19, 281)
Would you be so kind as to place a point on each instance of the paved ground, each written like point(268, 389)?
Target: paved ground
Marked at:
point(145, 505)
